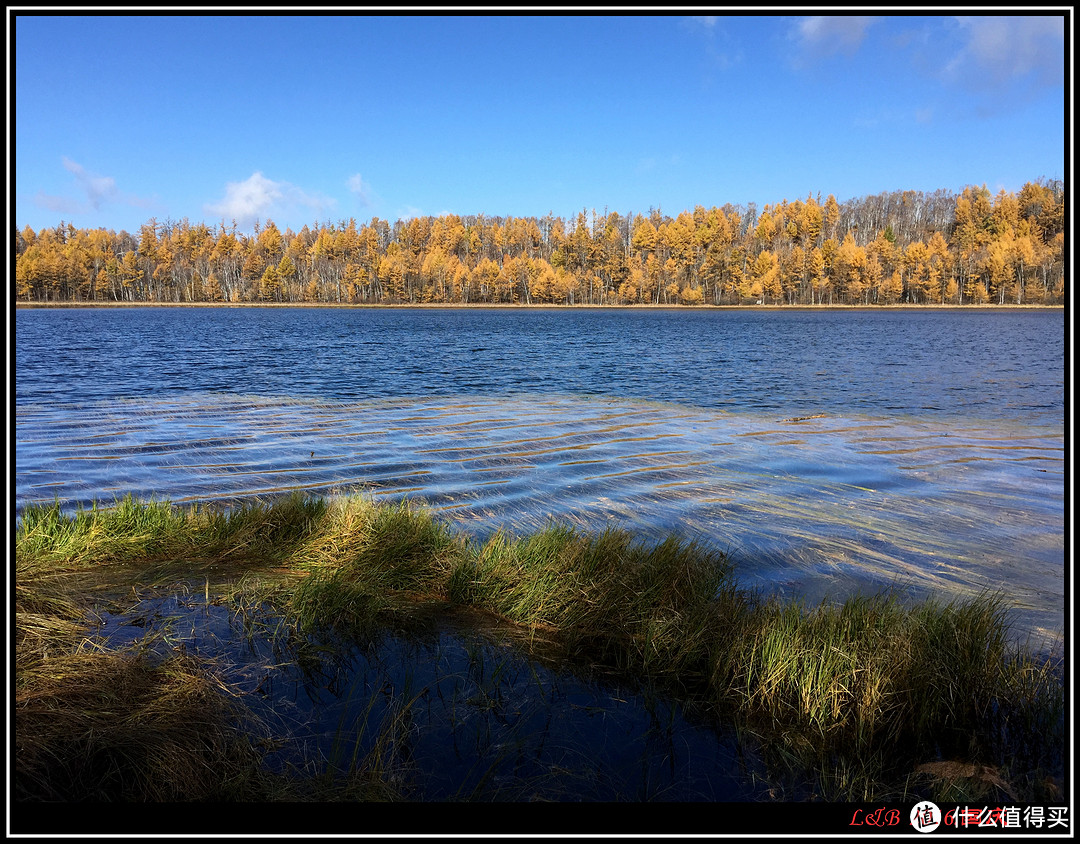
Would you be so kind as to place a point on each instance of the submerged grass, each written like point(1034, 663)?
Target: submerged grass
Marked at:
point(97, 724)
point(854, 701)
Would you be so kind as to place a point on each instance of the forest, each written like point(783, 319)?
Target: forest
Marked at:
point(901, 247)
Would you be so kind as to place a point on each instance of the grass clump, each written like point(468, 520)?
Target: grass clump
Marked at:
point(133, 531)
point(98, 724)
point(129, 530)
point(388, 547)
point(872, 682)
point(47, 617)
point(872, 698)
point(641, 607)
point(125, 726)
point(334, 602)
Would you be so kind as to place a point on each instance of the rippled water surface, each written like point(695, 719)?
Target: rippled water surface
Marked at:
point(825, 451)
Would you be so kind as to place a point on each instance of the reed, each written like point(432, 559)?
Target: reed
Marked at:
point(856, 695)
point(389, 547)
point(613, 598)
point(122, 726)
point(150, 531)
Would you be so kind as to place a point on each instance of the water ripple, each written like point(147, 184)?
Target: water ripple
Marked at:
point(848, 504)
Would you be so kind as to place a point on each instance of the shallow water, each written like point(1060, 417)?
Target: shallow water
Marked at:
point(452, 712)
point(815, 508)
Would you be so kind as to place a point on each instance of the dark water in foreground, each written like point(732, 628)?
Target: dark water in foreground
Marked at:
point(457, 711)
point(826, 452)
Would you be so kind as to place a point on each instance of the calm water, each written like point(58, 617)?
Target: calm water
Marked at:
point(826, 452)
point(933, 456)
point(468, 715)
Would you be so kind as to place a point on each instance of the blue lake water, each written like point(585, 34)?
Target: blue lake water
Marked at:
point(825, 451)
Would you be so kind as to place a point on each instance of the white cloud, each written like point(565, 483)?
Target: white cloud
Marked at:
point(96, 191)
point(59, 204)
point(248, 199)
point(1000, 51)
point(824, 35)
point(359, 187)
point(96, 188)
point(258, 197)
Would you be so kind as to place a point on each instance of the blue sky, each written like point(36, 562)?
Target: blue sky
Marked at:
point(301, 119)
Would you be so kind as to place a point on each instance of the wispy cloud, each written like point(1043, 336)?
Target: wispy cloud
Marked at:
point(258, 197)
point(657, 165)
point(95, 192)
point(821, 36)
point(884, 118)
point(708, 22)
point(359, 188)
point(1004, 53)
point(98, 189)
point(983, 66)
point(721, 49)
point(60, 204)
point(645, 165)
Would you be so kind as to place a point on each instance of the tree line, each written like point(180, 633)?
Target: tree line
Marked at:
point(897, 247)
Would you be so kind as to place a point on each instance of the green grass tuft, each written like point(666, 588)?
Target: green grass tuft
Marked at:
point(858, 700)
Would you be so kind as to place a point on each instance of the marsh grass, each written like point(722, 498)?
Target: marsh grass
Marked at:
point(156, 531)
point(874, 690)
point(101, 725)
point(873, 669)
point(390, 547)
point(48, 618)
point(853, 701)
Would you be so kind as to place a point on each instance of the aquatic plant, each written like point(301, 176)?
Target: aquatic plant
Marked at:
point(856, 700)
point(102, 725)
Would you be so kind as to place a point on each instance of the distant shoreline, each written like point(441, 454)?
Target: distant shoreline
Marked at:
point(524, 307)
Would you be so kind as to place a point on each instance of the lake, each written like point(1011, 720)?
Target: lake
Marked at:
point(825, 451)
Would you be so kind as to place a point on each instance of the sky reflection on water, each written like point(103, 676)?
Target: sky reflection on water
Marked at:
point(815, 507)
